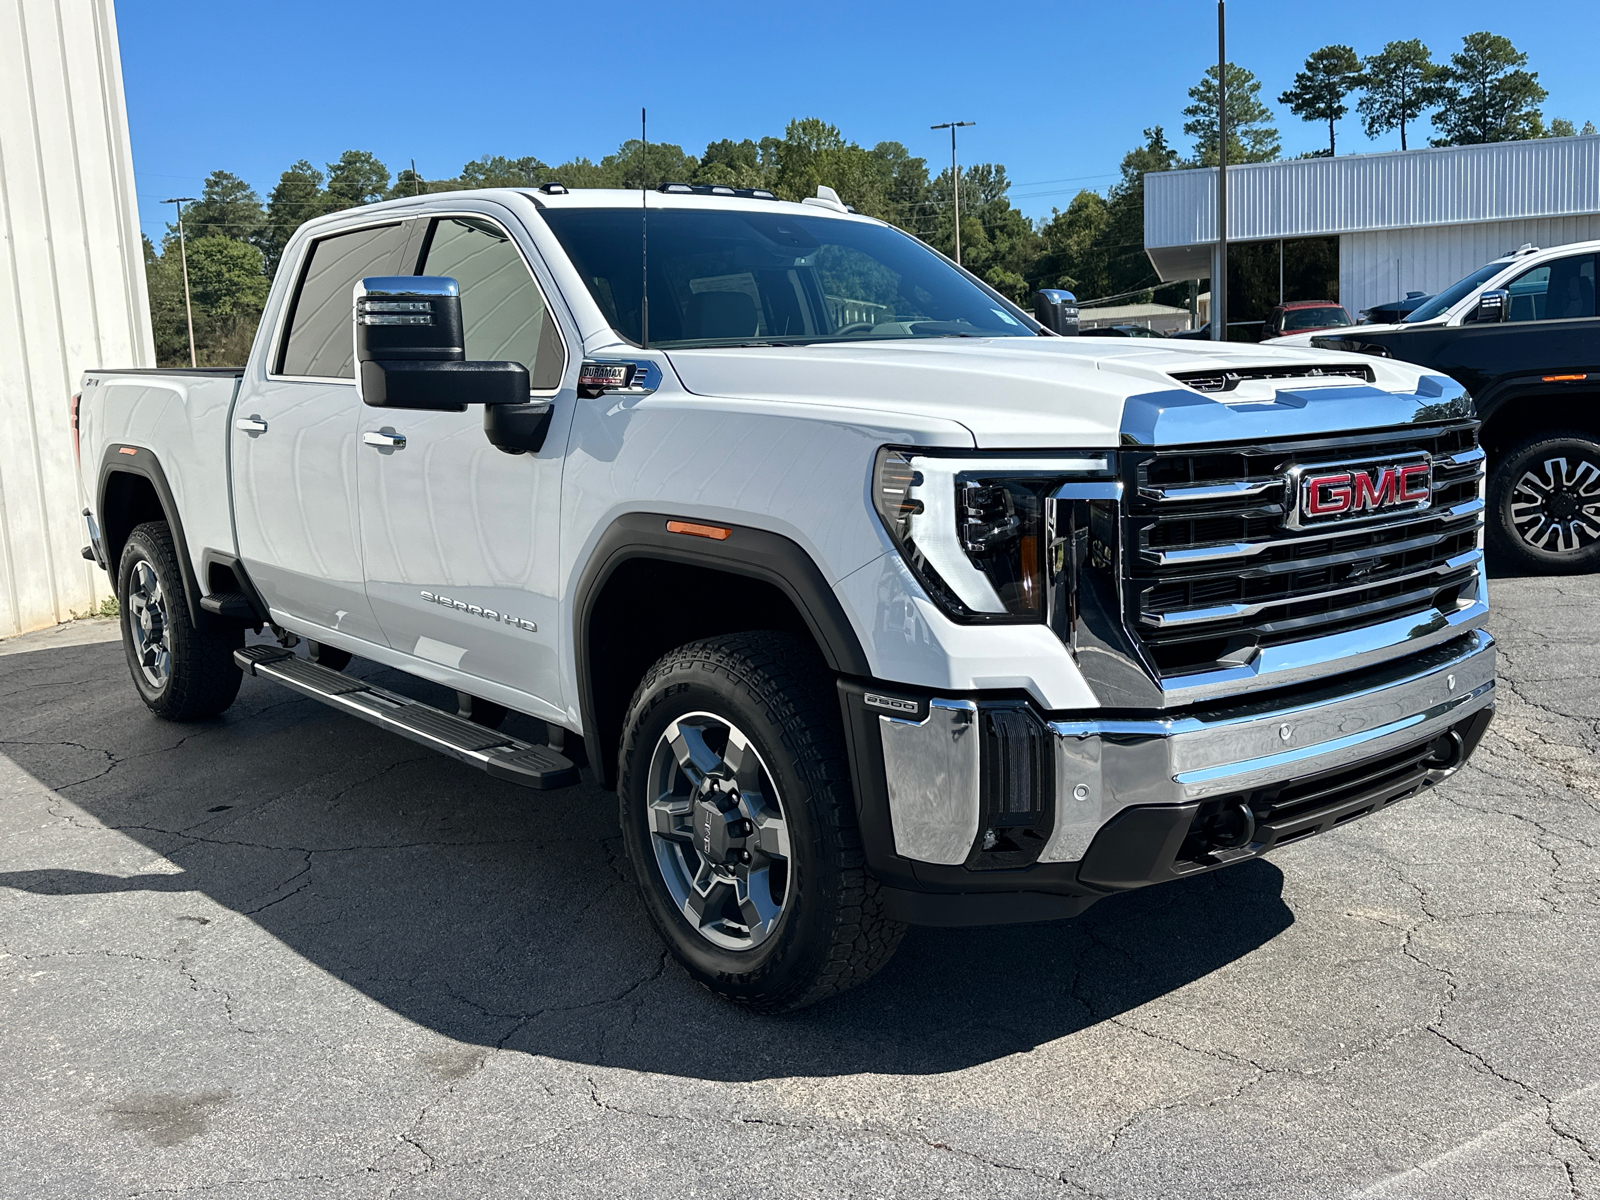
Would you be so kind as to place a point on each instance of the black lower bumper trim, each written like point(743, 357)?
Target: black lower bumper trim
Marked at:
point(1159, 842)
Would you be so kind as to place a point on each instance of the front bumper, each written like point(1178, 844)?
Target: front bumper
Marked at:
point(966, 800)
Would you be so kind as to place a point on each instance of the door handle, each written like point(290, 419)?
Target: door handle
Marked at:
point(385, 441)
point(251, 425)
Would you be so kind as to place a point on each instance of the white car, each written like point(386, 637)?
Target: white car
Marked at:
point(876, 602)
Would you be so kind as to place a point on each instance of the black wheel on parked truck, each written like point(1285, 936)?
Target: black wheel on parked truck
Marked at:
point(1544, 503)
point(739, 821)
point(183, 673)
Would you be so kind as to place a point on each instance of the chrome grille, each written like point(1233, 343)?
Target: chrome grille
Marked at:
point(1213, 573)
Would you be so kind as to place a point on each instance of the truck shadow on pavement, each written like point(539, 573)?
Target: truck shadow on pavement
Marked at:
point(506, 918)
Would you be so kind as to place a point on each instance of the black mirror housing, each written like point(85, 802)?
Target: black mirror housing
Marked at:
point(1493, 305)
point(1057, 311)
point(442, 386)
point(409, 318)
point(411, 349)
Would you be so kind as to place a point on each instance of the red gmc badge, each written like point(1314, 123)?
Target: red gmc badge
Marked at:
point(1345, 491)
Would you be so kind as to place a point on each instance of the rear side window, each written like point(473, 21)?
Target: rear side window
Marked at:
point(502, 310)
point(320, 339)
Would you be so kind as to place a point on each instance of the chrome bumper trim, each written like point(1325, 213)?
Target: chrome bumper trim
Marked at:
point(1103, 766)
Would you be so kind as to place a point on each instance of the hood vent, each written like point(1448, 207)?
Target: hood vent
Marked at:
point(1230, 378)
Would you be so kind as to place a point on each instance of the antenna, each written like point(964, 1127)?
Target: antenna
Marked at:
point(416, 184)
point(644, 234)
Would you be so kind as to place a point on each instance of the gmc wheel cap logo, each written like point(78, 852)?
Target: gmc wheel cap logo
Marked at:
point(1346, 491)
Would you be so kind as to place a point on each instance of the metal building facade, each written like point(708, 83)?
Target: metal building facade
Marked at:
point(72, 274)
point(1410, 220)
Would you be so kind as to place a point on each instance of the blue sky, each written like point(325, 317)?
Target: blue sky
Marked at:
point(1059, 91)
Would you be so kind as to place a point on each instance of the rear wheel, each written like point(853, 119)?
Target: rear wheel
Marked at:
point(183, 672)
point(738, 819)
point(1544, 503)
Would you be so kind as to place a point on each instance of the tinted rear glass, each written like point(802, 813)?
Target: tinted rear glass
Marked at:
point(321, 338)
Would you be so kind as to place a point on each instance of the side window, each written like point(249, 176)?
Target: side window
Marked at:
point(502, 309)
point(319, 340)
point(1556, 291)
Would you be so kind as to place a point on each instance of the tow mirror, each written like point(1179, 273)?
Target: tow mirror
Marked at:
point(1493, 305)
point(411, 352)
point(1057, 311)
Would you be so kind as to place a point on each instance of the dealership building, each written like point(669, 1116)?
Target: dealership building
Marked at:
point(1368, 228)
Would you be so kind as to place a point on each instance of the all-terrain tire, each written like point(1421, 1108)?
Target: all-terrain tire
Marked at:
point(832, 933)
point(1538, 498)
point(197, 678)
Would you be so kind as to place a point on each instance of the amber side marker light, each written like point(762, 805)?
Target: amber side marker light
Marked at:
point(717, 533)
point(128, 450)
point(1565, 378)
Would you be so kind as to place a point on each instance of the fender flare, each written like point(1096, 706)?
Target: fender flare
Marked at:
point(120, 459)
point(754, 553)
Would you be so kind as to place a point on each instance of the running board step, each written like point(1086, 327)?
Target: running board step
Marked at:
point(230, 604)
point(487, 749)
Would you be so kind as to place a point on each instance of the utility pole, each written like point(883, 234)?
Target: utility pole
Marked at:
point(955, 176)
point(183, 255)
point(1219, 265)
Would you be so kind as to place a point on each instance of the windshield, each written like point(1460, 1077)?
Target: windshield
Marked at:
point(1315, 318)
point(1454, 294)
point(741, 278)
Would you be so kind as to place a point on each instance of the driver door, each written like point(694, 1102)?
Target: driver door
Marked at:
point(460, 539)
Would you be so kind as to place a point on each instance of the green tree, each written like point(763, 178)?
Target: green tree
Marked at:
point(357, 178)
point(1251, 135)
point(1400, 83)
point(1561, 127)
point(228, 207)
point(1319, 90)
point(226, 279)
point(1486, 96)
point(499, 171)
point(297, 198)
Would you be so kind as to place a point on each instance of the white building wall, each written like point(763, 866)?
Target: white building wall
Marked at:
point(1385, 265)
point(72, 287)
point(1313, 197)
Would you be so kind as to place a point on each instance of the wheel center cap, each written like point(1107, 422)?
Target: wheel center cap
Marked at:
point(719, 833)
point(1563, 505)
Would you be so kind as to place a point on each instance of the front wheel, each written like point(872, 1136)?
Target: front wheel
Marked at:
point(1544, 504)
point(183, 672)
point(738, 820)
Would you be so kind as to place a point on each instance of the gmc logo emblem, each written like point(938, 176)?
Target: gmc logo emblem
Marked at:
point(1339, 490)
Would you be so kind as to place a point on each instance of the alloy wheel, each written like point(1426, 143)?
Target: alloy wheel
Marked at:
point(1555, 505)
point(148, 626)
point(718, 831)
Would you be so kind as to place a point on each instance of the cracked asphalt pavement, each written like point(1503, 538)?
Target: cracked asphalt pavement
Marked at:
point(283, 955)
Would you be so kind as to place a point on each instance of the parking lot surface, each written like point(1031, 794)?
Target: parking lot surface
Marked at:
point(282, 954)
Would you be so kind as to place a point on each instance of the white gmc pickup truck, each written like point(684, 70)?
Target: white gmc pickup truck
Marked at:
point(875, 601)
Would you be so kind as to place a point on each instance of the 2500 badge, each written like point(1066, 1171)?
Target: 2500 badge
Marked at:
point(473, 610)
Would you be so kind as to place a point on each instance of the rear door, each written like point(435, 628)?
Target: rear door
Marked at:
point(460, 539)
point(294, 441)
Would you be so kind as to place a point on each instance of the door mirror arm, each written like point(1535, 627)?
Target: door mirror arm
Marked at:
point(517, 428)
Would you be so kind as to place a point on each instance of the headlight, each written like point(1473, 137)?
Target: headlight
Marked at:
point(979, 531)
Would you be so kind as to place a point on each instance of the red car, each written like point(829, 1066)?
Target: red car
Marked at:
point(1304, 316)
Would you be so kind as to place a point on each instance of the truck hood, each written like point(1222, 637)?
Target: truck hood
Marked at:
point(1355, 331)
point(1012, 393)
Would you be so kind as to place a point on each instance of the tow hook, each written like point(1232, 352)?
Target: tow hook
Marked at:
point(1234, 826)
